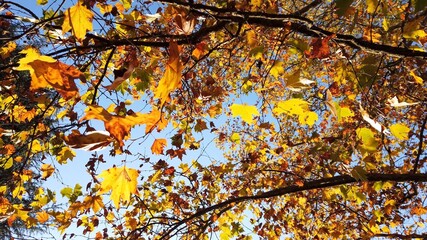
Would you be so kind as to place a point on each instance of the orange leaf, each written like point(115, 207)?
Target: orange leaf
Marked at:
point(171, 80)
point(78, 19)
point(119, 126)
point(158, 146)
point(320, 48)
point(94, 202)
point(47, 72)
point(42, 217)
point(121, 79)
point(47, 170)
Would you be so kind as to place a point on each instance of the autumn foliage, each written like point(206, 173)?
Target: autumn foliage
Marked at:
point(217, 119)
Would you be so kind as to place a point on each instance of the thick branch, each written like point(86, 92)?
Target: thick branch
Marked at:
point(300, 25)
point(420, 145)
point(402, 236)
point(309, 185)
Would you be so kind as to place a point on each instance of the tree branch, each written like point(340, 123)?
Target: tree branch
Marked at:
point(420, 145)
point(308, 185)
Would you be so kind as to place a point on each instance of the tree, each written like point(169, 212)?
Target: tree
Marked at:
point(317, 107)
point(18, 116)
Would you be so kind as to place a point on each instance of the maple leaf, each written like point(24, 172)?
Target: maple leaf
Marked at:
point(400, 131)
point(171, 80)
point(158, 146)
point(78, 19)
point(299, 108)
point(47, 170)
point(121, 181)
point(42, 217)
point(320, 48)
point(244, 111)
point(48, 72)
point(94, 202)
point(119, 126)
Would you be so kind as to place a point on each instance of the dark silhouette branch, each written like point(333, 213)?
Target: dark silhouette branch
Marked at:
point(401, 236)
point(420, 145)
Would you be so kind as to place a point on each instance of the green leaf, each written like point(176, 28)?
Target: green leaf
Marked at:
point(420, 5)
point(359, 173)
point(400, 131)
point(342, 6)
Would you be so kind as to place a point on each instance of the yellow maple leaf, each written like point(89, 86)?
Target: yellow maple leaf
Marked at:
point(369, 143)
point(47, 170)
point(121, 181)
point(400, 131)
point(171, 80)
point(244, 111)
point(78, 19)
point(94, 202)
point(48, 72)
point(299, 108)
point(158, 146)
point(119, 126)
point(371, 5)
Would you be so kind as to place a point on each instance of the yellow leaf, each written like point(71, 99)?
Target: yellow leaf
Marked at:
point(413, 30)
point(47, 72)
point(372, 6)
point(65, 154)
point(7, 49)
point(400, 131)
point(171, 80)
point(122, 182)
point(369, 143)
point(42, 2)
point(251, 38)
point(158, 146)
point(308, 118)
point(297, 107)
point(78, 19)
point(244, 111)
point(47, 170)
point(418, 79)
point(292, 106)
point(344, 112)
point(277, 69)
point(235, 137)
point(256, 3)
point(126, 4)
point(94, 202)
